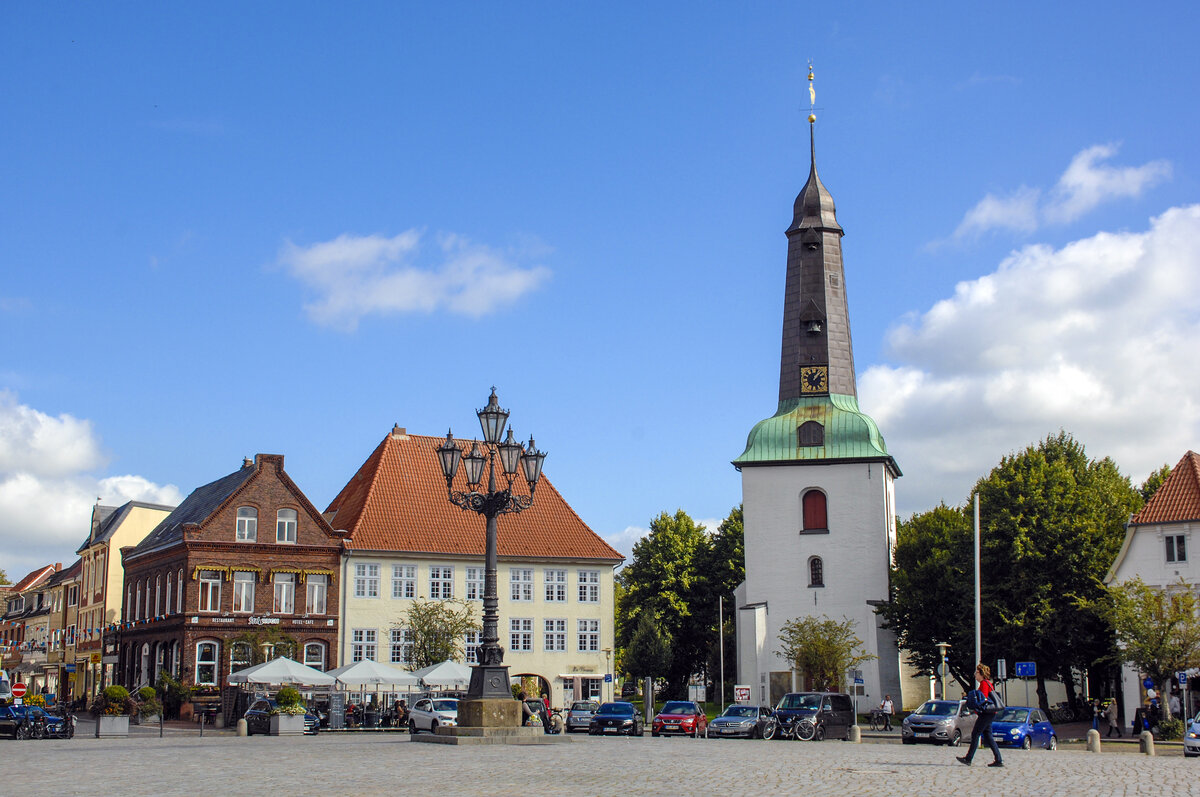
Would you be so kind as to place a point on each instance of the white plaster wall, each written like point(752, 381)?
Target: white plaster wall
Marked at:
point(856, 554)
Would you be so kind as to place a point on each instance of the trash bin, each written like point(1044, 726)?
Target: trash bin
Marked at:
point(371, 720)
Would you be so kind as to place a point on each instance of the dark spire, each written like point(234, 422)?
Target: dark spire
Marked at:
point(814, 207)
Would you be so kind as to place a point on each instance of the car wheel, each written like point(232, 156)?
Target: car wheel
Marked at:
point(412, 727)
point(1027, 743)
point(908, 741)
point(433, 726)
point(820, 734)
point(955, 740)
point(1053, 744)
point(22, 731)
point(654, 734)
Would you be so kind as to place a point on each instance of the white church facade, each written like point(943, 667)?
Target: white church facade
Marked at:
point(817, 481)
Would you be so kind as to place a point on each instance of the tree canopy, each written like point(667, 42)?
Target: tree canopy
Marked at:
point(4, 578)
point(436, 630)
point(822, 649)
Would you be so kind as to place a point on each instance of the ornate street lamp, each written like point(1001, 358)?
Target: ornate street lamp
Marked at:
point(489, 677)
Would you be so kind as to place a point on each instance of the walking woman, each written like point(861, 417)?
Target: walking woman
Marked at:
point(980, 701)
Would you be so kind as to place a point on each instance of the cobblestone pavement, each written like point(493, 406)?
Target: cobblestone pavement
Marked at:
point(370, 764)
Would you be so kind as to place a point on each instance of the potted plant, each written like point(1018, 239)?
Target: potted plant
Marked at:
point(148, 707)
point(287, 716)
point(112, 709)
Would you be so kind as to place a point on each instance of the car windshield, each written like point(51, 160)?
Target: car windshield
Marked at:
point(584, 705)
point(938, 708)
point(1013, 715)
point(678, 708)
point(801, 701)
point(445, 705)
point(741, 711)
point(617, 708)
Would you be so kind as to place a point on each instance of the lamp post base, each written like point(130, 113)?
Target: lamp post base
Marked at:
point(489, 682)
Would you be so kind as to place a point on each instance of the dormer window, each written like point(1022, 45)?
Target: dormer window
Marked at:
point(285, 526)
point(247, 524)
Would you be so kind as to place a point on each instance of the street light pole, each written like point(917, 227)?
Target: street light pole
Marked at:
point(489, 676)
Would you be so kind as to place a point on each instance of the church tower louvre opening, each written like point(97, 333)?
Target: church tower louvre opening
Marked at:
point(818, 450)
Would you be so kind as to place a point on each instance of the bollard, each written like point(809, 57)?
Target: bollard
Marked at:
point(855, 735)
point(1146, 743)
point(241, 727)
point(1093, 741)
point(160, 724)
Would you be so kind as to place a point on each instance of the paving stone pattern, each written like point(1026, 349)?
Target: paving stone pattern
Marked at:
point(370, 764)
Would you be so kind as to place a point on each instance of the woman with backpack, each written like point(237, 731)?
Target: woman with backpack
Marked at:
point(981, 701)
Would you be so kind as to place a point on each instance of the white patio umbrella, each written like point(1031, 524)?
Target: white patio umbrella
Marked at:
point(281, 671)
point(364, 673)
point(446, 675)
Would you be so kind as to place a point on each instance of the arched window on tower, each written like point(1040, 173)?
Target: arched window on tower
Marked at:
point(814, 514)
point(810, 433)
point(816, 572)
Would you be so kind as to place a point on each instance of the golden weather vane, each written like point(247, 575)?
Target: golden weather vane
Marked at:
point(812, 94)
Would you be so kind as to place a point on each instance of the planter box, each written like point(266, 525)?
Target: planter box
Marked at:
point(149, 719)
point(287, 725)
point(110, 725)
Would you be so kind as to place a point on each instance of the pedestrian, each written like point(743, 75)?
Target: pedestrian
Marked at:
point(1174, 704)
point(1096, 711)
point(980, 701)
point(1110, 714)
point(887, 708)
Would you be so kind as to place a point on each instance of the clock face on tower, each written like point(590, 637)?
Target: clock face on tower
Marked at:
point(814, 379)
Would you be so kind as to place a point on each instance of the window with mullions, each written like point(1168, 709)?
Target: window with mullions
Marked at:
point(556, 586)
point(520, 634)
point(1176, 548)
point(316, 587)
point(474, 583)
point(471, 646)
point(314, 655)
point(816, 572)
point(441, 582)
point(362, 646)
point(589, 636)
point(285, 593)
point(239, 656)
point(589, 586)
point(402, 646)
point(210, 591)
point(555, 638)
point(285, 525)
point(243, 592)
point(404, 581)
point(810, 433)
point(366, 581)
point(206, 663)
point(521, 581)
point(247, 524)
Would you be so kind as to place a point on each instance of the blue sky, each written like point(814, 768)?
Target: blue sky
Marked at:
point(283, 227)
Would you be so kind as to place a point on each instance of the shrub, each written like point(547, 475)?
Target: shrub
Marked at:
point(114, 701)
point(288, 696)
point(147, 693)
point(35, 700)
point(1170, 729)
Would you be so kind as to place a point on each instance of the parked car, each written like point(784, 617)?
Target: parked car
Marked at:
point(742, 720)
point(683, 717)
point(831, 712)
point(616, 717)
point(258, 718)
point(1024, 727)
point(1191, 738)
point(579, 716)
point(938, 721)
point(430, 712)
point(16, 721)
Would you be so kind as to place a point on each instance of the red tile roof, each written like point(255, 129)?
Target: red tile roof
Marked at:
point(1178, 498)
point(36, 577)
point(397, 502)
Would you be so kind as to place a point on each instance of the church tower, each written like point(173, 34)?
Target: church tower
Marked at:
point(817, 480)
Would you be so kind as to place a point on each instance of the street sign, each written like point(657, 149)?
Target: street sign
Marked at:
point(1002, 669)
point(1025, 669)
point(608, 677)
point(858, 681)
point(19, 690)
point(741, 693)
point(1182, 678)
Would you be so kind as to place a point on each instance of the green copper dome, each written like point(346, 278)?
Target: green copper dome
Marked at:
point(846, 432)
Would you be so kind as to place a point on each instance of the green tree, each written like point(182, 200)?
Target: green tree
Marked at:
point(822, 649)
point(4, 578)
point(1153, 482)
point(664, 581)
point(649, 652)
point(1157, 630)
point(933, 592)
point(1052, 523)
point(437, 630)
point(723, 568)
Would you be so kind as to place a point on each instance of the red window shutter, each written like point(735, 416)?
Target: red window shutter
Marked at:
point(814, 510)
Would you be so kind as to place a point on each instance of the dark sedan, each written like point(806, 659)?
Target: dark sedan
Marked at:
point(19, 722)
point(740, 720)
point(258, 718)
point(616, 718)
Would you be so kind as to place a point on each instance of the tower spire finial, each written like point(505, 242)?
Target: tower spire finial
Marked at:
point(812, 95)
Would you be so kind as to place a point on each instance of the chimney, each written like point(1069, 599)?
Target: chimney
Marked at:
point(247, 462)
point(399, 431)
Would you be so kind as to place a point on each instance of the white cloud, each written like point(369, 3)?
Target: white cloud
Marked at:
point(624, 540)
point(1097, 338)
point(1086, 183)
point(47, 488)
point(357, 276)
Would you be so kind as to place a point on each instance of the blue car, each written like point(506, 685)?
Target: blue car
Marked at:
point(1024, 727)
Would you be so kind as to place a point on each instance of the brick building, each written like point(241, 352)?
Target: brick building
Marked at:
point(215, 587)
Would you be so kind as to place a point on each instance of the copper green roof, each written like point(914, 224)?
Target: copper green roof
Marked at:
point(849, 433)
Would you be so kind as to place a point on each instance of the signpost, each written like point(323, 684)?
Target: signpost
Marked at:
point(741, 693)
point(18, 691)
point(1026, 670)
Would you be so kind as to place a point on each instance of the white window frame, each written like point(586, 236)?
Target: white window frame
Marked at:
point(404, 581)
point(366, 580)
point(589, 586)
point(520, 581)
point(210, 591)
point(556, 586)
point(475, 582)
point(401, 651)
point(214, 662)
point(285, 593)
point(1176, 544)
point(316, 662)
point(471, 642)
point(157, 596)
point(316, 594)
point(247, 524)
point(285, 526)
point(554, 635)
point(168, 593)
point(179, 592)
point(588, 635)
point(243, 592)
point(520, 634)
point(362, 644)
point(441, 582)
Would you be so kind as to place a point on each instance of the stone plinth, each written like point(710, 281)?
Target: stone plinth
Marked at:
point(465, 735)
point(489, 713)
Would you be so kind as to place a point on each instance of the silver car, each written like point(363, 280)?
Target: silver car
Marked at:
point(940, 722)
point(579, 716)
point(430, 712)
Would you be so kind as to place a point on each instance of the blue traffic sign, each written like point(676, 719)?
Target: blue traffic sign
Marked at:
point(608, 677)
point(1182, 677)
point(1025, 669)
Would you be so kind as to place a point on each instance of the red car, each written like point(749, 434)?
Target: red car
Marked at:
point(683, 717)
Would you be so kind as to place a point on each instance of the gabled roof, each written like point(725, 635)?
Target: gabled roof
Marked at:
point(66, 574)
point(397, 502)
point(196, 508)
point(35, 577)
point(1178, 498)
point(107, 519)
